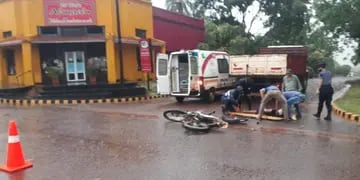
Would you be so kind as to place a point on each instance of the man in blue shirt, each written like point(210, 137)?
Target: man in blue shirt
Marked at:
point(294, 98)
point(230, 99)
point(325, 92)
point(269, 93)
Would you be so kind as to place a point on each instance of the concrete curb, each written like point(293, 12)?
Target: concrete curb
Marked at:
point(346, 115)
point(33, 102)
point(340, 112)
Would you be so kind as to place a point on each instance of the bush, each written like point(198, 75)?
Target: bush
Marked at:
point(54, 72)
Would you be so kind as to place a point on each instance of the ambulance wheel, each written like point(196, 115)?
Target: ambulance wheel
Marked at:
point(179, 99)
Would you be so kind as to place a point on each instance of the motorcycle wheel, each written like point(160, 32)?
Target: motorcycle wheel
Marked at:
point(196, 126)
point(174, 115)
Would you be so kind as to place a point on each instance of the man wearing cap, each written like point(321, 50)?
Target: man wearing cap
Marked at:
point(291, 82)
point(325, 92)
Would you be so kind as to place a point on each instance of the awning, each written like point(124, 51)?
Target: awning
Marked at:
point(135, 41)
point(62, 40)
point(11, 42)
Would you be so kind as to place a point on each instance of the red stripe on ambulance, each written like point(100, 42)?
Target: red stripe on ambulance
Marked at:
point(206, 62)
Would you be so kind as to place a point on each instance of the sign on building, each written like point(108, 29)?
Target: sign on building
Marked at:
point(69, 12)
point(145, 56)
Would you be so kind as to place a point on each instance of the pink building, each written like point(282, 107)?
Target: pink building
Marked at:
point(178, 31)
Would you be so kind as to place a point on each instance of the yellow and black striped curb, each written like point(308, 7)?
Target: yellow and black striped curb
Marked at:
point(346, 115)
point(30, 102)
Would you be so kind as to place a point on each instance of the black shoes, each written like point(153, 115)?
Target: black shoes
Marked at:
point(317, 116)
point(327, 118)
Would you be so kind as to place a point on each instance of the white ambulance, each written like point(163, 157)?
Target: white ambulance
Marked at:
point(193, 73)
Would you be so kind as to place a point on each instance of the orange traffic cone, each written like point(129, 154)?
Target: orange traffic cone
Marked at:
point(15, 158)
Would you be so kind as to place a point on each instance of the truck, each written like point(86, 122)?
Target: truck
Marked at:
point(193, 73)
point(270, 64)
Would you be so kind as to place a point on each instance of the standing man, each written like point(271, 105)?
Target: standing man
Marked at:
point(325, 92)
point(246, 83)
point(269, 93)
point(291, 82)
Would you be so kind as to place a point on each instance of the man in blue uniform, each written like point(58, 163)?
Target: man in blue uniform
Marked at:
point(230, 99)
point(325, 92)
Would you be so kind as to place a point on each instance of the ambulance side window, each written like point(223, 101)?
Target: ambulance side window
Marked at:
point(194, 65)
point(163, 67)
point(223, 65)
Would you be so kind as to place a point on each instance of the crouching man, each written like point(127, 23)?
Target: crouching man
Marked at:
point(230, 100)
point(294, 98)
point(269, 93)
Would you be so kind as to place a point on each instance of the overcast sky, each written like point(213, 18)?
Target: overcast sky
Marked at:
point(259, 29)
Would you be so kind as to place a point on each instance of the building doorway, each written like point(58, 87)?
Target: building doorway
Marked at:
point(75, 66)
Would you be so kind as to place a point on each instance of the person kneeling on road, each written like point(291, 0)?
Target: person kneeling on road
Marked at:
point(269, 93)
point(294, 98)
point(230, 99)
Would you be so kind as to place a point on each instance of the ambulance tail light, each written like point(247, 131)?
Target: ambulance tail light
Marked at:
point(201, 81)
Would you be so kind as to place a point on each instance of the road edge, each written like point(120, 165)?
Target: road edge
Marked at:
point(340, 112)
point(33, 102)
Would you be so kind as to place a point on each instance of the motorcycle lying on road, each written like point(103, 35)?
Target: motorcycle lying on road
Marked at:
point(195, 120)
point(199, 121)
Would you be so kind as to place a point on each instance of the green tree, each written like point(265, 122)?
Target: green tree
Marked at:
point(343, 70)
point(321, 48)
point(288, 21)
point(341, 18)
point(225, 37)
point(179, 6)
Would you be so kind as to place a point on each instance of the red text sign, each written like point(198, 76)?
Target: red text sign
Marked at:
point(145, 57)
point(69, 12)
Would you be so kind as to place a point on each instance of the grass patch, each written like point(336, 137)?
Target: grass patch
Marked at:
point(351, 101)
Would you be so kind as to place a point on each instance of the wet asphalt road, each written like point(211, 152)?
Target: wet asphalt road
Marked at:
point(133, 141)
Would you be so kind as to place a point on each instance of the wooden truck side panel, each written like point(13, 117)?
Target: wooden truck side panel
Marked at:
point(258, 65)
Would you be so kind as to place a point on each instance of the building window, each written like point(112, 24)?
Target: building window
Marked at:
point(7, 34)
point(140, 33)
point(46, 31)
point(223, 65)
point(95, 30)
point(10, 61)
point(73, 31)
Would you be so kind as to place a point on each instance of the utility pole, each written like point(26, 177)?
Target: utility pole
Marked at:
point(118, 28)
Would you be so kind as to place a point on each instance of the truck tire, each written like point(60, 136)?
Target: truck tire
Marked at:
point(180, 99)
